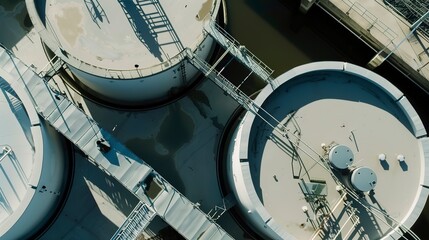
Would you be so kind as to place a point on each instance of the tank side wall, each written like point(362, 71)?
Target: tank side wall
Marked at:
point(248, 202)
point(158, 87)
point(47, 192)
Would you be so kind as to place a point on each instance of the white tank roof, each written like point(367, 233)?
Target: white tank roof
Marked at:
point(333, 103)
point(126, 34)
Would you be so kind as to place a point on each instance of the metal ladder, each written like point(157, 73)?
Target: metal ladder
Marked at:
point(182, 70)
point(51, 69)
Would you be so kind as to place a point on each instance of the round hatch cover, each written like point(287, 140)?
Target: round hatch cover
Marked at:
point(363, 179)
point(341, 156)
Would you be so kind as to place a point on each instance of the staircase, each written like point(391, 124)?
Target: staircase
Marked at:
point(136, 222)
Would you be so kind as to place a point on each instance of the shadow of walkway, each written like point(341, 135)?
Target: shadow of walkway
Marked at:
point(96, 10)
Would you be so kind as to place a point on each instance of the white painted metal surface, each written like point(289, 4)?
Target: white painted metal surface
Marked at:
point(341, 156)
point(32, 161)
point(363, 179)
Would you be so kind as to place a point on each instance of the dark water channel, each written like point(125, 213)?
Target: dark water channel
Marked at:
point(282, 37)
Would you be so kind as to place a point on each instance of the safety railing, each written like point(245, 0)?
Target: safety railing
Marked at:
point(218, 33)
point(135, 223)
point(85, 133)
point(368, 20)
point(272, 122)
point(137, 72)
point(411, 11)
point(371, 19)
point(247, 103)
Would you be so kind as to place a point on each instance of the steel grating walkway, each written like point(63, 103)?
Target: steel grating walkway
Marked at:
point(240, 52)
point(136, 222)
point(233, 91)
point(111, 155)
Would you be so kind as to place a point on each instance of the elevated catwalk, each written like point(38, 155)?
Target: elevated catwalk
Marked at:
point(334, 152)
point(111, 156)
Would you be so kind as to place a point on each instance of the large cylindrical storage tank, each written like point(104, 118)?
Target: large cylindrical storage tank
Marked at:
point(336, 153)
point(127, 52)
point(33, 167)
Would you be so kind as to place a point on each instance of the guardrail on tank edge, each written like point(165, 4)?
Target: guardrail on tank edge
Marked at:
point(130, 73)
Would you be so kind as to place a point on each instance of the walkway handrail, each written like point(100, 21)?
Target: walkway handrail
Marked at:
point(246, 102)
point(237, 44)
point(411, 11)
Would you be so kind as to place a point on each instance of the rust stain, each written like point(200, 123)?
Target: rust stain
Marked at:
point(69, 24)
point(205, 9)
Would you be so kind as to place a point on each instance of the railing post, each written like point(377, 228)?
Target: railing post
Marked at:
point(6, 151)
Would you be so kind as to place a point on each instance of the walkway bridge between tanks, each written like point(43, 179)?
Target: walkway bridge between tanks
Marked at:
point(240, 52)
point(111, 156)
point(234, 91)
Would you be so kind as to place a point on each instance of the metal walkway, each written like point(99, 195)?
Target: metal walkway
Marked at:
point(110, 155)
point(240, 52)
point(136, 222)
point(245, 101)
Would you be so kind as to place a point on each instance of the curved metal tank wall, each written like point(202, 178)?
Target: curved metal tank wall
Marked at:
point(46, 184)
point(47, 193)
point(151, 89)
